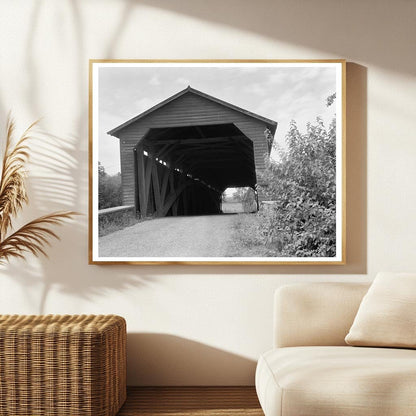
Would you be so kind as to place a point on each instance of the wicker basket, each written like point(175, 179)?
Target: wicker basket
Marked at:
point(72, 365)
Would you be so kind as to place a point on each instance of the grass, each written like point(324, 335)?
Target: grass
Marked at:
point(247, 240)
point(112, 222)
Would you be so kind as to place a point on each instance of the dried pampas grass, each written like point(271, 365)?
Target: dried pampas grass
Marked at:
point(34, 236)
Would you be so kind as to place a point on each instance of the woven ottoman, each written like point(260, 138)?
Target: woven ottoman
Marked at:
point(69, 365)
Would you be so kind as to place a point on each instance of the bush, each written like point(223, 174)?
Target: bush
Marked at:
point(302, 223)
point(109, 189)
point(108, 223)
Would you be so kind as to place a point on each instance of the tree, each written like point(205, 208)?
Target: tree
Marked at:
point(109, 189)
point(302, 223)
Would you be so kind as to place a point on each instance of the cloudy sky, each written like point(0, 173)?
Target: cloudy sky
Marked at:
point(280, 93)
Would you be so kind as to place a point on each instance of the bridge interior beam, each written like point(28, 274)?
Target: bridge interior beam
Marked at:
point(184, 170)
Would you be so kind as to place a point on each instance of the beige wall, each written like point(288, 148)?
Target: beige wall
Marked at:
point(205, 325)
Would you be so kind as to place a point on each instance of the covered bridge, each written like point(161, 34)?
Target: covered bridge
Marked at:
point(178, 157)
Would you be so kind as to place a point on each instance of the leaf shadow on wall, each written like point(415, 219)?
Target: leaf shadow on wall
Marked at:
point(363, 30)
point(59, 181)
point(52, 187)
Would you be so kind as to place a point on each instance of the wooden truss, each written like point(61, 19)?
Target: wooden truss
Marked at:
point(163, 190)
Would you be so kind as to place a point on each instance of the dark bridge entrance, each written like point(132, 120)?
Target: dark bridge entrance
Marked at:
point(184, 170)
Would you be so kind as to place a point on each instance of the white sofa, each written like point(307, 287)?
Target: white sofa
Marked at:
point(311, 371)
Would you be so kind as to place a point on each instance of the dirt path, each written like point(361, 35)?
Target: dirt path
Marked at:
point(199, 236)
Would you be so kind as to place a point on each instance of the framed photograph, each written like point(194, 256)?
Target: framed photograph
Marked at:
point(217, 162)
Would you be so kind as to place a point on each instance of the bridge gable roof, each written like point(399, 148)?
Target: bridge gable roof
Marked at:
point(189, 90)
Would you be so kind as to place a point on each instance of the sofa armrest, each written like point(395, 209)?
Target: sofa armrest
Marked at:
point(315, 313)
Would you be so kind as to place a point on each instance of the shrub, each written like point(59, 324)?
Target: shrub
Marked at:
point(109, 189)
point(302, 222)
point(108, 223)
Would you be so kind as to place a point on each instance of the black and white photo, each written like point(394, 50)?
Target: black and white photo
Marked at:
point(217, 162)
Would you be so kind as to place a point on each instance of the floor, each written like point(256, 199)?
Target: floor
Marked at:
point(195, 401)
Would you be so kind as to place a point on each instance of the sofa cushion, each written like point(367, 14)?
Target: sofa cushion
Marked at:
point(387, 314)
point(341, 381)
point(315, 314)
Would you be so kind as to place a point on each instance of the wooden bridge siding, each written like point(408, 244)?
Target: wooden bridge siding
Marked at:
point(187, 110)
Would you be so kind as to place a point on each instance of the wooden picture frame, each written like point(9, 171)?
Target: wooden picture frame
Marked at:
point(174, 144)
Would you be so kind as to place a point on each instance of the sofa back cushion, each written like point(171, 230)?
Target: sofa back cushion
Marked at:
point(315, 313)
point(387, 314)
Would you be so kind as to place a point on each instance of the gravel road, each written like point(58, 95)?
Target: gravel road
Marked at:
point(198, 236)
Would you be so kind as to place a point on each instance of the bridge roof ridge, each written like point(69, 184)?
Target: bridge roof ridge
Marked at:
point(271, 123)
